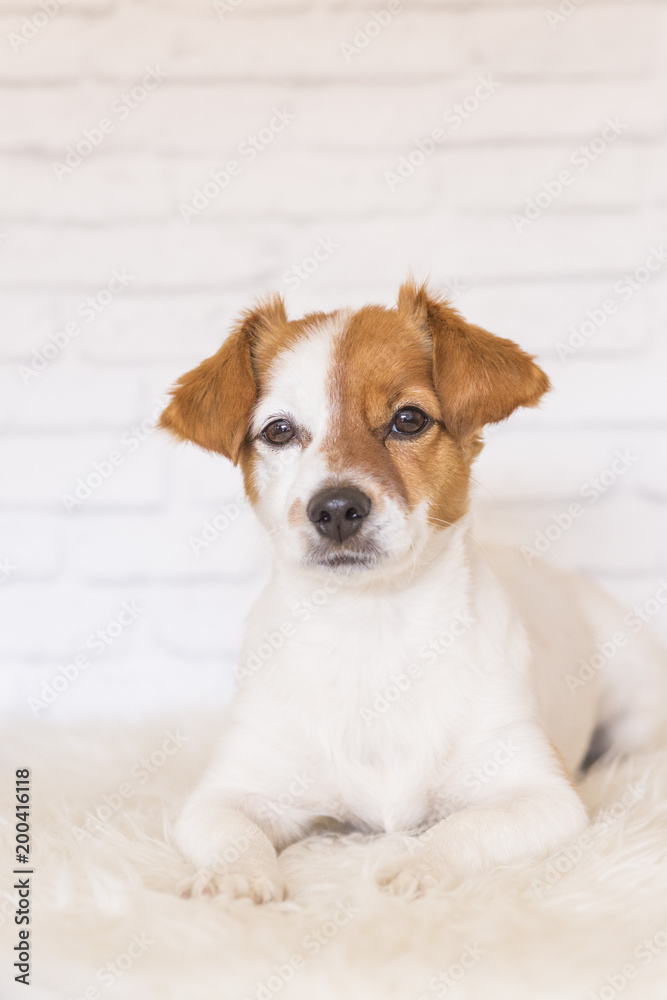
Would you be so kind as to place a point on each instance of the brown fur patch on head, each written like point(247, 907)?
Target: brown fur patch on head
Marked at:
point(383, 362)
point(480, 378)
point(274, 339)
point(422, 354)
point(211, 405)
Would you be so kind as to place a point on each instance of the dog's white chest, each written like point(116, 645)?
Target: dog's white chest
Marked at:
point(372, 697)
point(383, 783)
point(379, 727)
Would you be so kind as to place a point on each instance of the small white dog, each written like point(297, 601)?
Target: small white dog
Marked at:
point(418, 691)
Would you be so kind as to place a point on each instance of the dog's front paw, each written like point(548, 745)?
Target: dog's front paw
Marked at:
point(413, 876)
point(256, 882)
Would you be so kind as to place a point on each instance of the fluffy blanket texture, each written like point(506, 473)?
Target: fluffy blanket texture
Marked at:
point(590, 922)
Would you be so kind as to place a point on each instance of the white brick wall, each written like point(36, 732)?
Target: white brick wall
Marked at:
point(64, 574)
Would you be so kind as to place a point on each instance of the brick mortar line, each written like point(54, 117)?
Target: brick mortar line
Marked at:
point(173, 83)
point(476, 65)
point(373, 148)
point(117, 10)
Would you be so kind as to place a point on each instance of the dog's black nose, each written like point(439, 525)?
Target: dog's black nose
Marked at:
point(338, 512)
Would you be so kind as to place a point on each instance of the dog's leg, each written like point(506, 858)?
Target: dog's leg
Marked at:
point(630, 672)
point(633, 703)
point(233, 840)
point(233, 855)
point(529, 809)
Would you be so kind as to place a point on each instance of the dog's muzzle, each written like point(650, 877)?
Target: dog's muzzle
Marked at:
point(338, 512)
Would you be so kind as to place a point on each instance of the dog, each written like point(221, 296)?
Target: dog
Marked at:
point(394, 676)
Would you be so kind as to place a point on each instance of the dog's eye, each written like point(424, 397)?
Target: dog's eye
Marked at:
point(409, 420)
point(278, 432)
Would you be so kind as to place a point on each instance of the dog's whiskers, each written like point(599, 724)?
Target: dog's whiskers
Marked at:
point(483, 487)
point(414, 557)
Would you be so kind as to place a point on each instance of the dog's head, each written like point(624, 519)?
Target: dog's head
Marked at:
point(355, 431)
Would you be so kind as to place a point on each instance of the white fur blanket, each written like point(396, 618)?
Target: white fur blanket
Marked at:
point(588, 923)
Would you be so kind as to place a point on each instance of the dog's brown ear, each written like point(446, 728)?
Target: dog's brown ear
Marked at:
point(212, 404)
point(480, 378)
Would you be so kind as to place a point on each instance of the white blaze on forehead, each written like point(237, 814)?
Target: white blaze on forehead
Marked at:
point(298, 384)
